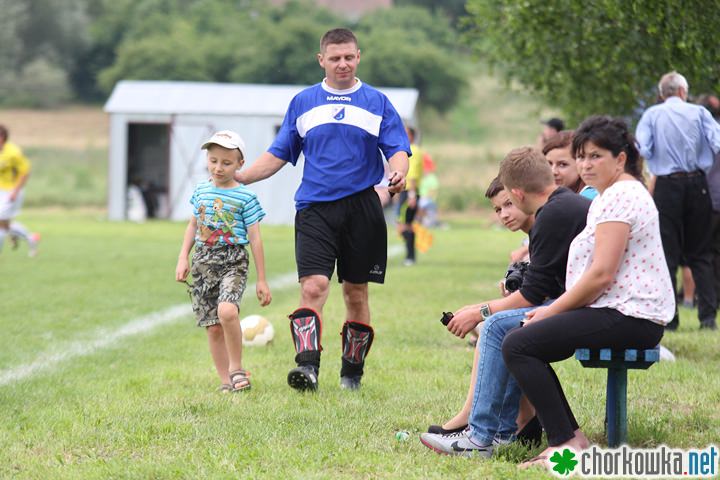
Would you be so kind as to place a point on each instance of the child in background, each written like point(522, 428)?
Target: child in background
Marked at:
point(14, 173)
point(407, 207)
point(226, 217)
point(429, 189)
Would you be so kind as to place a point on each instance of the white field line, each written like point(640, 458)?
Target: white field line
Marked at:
point(145, 324)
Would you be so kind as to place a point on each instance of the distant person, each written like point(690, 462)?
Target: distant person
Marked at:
point(679, 141)
point(343, 127)
point(429, 191)
point(563, 165)
point(551, 127)
point(226, 217)
point(712, 104)
point(14, 174)
point(408, 199)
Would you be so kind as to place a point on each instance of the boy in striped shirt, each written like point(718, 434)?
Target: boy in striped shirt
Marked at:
point(226, 217)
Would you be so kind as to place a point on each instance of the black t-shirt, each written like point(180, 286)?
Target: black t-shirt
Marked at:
point(557, 223)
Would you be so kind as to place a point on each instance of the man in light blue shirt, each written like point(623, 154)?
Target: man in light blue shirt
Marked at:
point(679, 141)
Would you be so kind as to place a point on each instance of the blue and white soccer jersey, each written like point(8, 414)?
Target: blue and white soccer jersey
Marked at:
point(342, 134)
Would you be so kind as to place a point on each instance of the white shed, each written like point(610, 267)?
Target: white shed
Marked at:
point(157, 128)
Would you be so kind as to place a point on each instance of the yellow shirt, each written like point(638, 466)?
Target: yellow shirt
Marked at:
point(13, 165)
point(415, 170)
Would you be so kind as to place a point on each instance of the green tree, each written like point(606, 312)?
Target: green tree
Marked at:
point(390, 60)
point(286, 55)
point(598, 57)
point(451, 8)
point(11, 52)
point(419, 24)
point(408, 47)
point(38, 43)
point(253, 42)
point(172, 56)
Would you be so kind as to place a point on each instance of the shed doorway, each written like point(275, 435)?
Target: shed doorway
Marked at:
point(148, 165)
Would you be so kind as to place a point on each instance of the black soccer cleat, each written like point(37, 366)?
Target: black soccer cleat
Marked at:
point(303, 378)
point(350, 382)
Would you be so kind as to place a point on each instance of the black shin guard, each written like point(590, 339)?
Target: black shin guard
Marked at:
point(357, 339)
point(306, 330)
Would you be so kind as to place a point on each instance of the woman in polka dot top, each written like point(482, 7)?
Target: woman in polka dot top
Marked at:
point(618, 290)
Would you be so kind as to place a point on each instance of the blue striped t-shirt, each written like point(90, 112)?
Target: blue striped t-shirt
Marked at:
point(224, 214)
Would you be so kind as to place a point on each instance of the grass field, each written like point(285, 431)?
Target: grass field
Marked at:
point(82, 397)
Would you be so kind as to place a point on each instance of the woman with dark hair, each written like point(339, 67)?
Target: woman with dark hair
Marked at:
point(618, 290)
point(558, 152)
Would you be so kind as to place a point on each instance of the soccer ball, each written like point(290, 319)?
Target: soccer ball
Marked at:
point(256, 330)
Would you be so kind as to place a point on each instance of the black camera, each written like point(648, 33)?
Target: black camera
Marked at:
point(447, 316)
point(514, 276)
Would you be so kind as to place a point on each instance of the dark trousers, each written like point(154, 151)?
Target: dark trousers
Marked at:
point(408, 217)
point(529, 350)
point(685, 218)
point(715, 248)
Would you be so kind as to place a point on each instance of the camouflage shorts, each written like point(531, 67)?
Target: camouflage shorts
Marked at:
point(219, 275)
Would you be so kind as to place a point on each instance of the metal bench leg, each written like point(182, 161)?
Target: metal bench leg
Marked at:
point(616, 406)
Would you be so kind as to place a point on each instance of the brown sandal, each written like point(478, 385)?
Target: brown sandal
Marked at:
point(240, 380)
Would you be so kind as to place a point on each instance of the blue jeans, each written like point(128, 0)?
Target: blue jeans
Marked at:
point(497, 395)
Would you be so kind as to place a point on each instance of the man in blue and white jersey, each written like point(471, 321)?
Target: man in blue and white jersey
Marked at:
point(343, 127)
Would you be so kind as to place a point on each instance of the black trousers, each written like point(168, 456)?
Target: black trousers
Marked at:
point(715, 248)
point(408, 218)
point(529, 350)
point(685, 227)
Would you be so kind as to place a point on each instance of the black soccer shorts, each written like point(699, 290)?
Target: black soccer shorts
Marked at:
point(350, 231)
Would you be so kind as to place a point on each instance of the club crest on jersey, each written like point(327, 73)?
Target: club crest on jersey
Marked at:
point(338, 112)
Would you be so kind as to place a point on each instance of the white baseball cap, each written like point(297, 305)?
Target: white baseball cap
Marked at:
point(227, 139)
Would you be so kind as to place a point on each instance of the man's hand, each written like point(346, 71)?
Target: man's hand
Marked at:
point(464, 321)
point(241, 177)
point(396, 182)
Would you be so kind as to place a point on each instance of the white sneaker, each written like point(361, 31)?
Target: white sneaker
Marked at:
point(666, 355)
point(455, 444)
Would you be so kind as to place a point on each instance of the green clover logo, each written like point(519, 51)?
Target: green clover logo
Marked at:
point(565, 463)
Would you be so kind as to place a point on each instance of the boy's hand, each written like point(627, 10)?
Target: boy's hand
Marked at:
point(263, 293)
point(182, 270)
point(463, 322)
